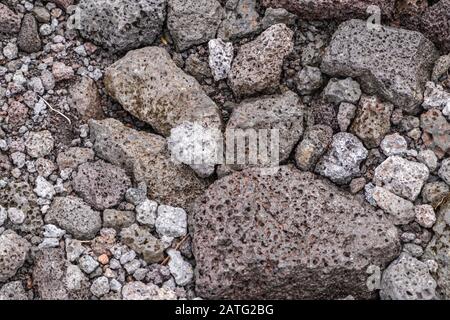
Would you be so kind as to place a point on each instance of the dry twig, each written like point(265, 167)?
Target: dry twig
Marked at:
point(54, 110)
point(179, 244)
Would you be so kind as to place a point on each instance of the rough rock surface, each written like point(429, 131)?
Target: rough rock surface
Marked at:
point(145, 156)
point(436, 131)
point(156, 91)
point(314, 144)
point(13, 252)
point(142, 241)
point(382, 62)
point(193, 22)
point(400, 211)
point(329, 9)
point(9, 21)
point(274, 237)
point(241, 19)
point(435, 23)
point(84, 97)
point(28, 39)
point(258, 64)
point(120, 24)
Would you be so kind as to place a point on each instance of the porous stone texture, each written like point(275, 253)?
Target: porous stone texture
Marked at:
point(394, 145)
point(13, 252)
point(9, 20)
point(156, 91)
point(100, 184)
point(400, 211)
point(13, 291)
point(120, 24)
point(270, 255)
point(425, 215)
point(346, 90)
point(407, 279)
point(444, 171)
point(142, 241)
point(435, 23)
point(402, 177)
point(181, 270)
point(314, 144)
point(193, 22)
point(117, 219)
point(329, 9)
point(258, 64)
point(372, 121)
point(241, 20)
point(145, 156)
point(308, 80)
point(436, 131)
point(171, 222)
point(140, 291)
point(39, 144)
point(73, 157)
point(342, 161)
point(84, 97)
point(72, 214)
point(28, 39)
point(393, 63)
point(221, 56)
point(284, 113)
point(345, 116)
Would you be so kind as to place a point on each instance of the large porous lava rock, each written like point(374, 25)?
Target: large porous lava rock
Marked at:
point(13, 252)
point(149, 85)
point(332, 9)
point(393, 63)
point(120, 25)
point(286, 236)
point(146, 157)
point(436, 23)
point(9, 21)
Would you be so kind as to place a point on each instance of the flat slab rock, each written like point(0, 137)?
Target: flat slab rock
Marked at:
point(286, 236)
point(331, 9)
point(393, 63)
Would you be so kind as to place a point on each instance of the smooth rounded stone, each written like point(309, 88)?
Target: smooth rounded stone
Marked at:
point(402, 177)
point(342, 161)
point(180, 269)
point(264, 118)
point(435, 97)
point(9, 21)
point(39, 144)
point(73, 157)
point(381, 61)
point(16, 215)
point(372, 121)
point(193, 22)
point(150, 90)
point(171, 222)
point(100, 286)
point(146, 213)
point(138, 290)
point(434, 23)
point(241, 20)
point(221, 56)
point(394, 145)
point(85, 98)
point(13, 252)
point(258, 65)
point(308, 80)
point(441, 68)
point(241, 225)
point(13, 291)
point(346, 90)
point(428, 158)
point(28, 39)
point(118, 219)
point(75, 216)
point(444, 171)
point(326, 9)
point(277, 15)
point(143, 242)
point(145, 156)
point(407, 279)
point(345, 116)
point(400, 211)
point(121, 24)
point(100, 184)
point(314, 144)
point(436, 131)
point(434, 192)
point(425, 215)
point(54, 277)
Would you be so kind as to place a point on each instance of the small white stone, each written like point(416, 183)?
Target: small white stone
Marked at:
point(171, 222)
point(425, 215)
point(146, 213)
point(44, 189)
point(393, 145)
point(16, 216)
point(49, 243)
point(52, 231)
point(180, 269)
point(220, 58)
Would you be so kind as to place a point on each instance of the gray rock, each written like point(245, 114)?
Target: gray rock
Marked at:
point(428, 158)
point(13, 252)
point(13, 291)
point(444, 171)
point(240, 20)
point(434, 23)
point(44, 189)
point(436, 132)
point(402, 177)
point(345, 116)
point(73, 157)
point(150, 90)
point(76, 217)
point(171, 222)
point(180, 269)
point(342, 162)
point(407, 279)
point(434, 192)
point(39, 144)
point(101, 184)
point(142, 241)
point(87, 264)
point(381, 61)
point(100, 286)
point(258, 64)
point(308, 80)
point(145, 156)
point(435, 97)
point(3, 215)
point(9, 20)
point(400, 211)
point(394, 145)
point(316, 141)
point(425, 215)
point(28, 39)
point(137, 290)
point(84, 97)
point(121, 24)
point(346, 90)
point(193, 22)
point(243, 219)
point(412, 249)
point(146, 213)
point(136, 195)
point(118, 219)
point(221, 56)
point(441, 68)
point(277, 15)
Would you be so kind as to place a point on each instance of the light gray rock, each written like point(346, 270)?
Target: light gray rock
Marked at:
point(171, 222)
point(241, 19)
point(394, 145)
point(138, 290)
point(435, 97)
point(345, 116)
point(100, 286)
point(13, 291)
point(308, 80)
point(44, 189)
point(39, 144)
point(221, 56)
point(315, 143)
point(346, 90)
point(87, 264)
point(425, 215)
point(444, 171)
point(400, 211)
point(13, 252)
point(180, 269)
point(146, 213)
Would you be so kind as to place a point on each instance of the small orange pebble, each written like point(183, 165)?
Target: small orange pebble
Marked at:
point(103, 259)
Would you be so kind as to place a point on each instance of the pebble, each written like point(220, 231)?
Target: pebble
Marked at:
point(171, 222)
point(16, 215)
point(146, 213)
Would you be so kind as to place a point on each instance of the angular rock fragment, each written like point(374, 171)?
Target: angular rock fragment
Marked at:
point(314, 144)
point(84, 97)
point(436, 132)
point(221, 55)
point(13, 252)
point(286, 236)
point(393, 63)
point(241, 19)
point(400, 211)
point(435, 23)
point(142, 241)
point(9, 21)
point(148, 84)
